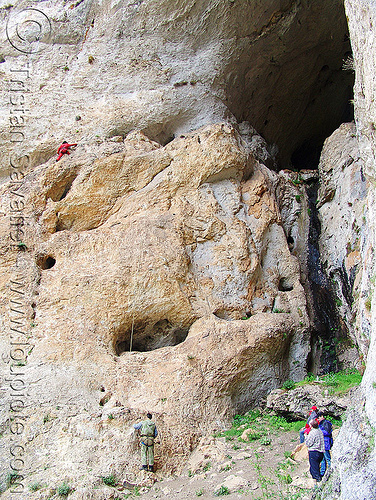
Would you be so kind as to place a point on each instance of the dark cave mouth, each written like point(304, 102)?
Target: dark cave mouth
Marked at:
point(294, 88)
point(143, 337)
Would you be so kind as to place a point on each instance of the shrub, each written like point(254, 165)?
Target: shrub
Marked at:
point(64, 490)
point(35, 486)
point(288, 385)
point(223, 490)
point(109, 480)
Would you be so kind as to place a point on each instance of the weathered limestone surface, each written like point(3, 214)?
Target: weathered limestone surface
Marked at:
point(354, 453)
point(342, 202)
point(175, 253)
point(101, 69)
point(295, 403)
point(130, 246)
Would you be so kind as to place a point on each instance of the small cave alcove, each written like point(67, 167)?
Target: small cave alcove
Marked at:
point(287, 77)
point(284, 285)
point(144, 337)
point(45, 262)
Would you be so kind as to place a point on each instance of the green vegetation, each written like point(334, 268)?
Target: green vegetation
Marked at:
point(368, 303)
point(343, 381)
point(11, 478)
point(288, 385)
point(223, 490)
point(278, 485)
point(200, 492)
point(35, 486)
point(64, 490)
point(298, 197)
point(339, 382)
point(109, 480)
point(262, 425)
point(265, 440)
point(207, 467)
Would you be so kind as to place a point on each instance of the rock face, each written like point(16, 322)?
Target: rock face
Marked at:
point(162, 266)
point(102, 69)
point(342, 202)
point(354, 455)
point(159, 278)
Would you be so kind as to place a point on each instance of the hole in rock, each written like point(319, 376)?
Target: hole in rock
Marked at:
point(286, 77)
point(159, 133)
point(60, 190)
point(284, 285)
point(290, 241)
point(149, 337)
point(45, 262)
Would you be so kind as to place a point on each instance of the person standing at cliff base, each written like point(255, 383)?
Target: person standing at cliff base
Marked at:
point(311, 415)
point(316, 447)
point(148, 431)
point(326, 428)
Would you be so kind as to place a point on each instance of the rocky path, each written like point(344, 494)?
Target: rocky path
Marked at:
point(253, 470)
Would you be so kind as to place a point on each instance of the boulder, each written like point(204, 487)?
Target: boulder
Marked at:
point(295, 403)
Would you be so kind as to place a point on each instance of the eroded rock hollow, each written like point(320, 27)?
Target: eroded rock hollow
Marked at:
point(165, 265)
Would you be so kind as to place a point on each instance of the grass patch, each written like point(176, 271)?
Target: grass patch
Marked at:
point(288, 385)
point(207, 467)
point(338, 383)
point(35, 486)
point(342, 381)
point(109, 480)
point(223, 490)
point(64, 490)
point(261, 424)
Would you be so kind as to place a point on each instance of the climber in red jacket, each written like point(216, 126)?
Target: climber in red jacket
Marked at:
point(64, 149)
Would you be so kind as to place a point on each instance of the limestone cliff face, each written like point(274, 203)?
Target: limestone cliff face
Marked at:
point(354, 454)
point(163, 265)
point(101, 69)
point(158, 278)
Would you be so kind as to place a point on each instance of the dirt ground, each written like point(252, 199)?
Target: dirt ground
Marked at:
point(233, 469)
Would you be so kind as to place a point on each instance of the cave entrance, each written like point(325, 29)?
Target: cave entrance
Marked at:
point(288, 80)
point(143, 337)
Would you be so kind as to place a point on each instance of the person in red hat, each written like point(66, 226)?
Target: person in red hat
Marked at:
point(64, 149)
point(305, 430)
